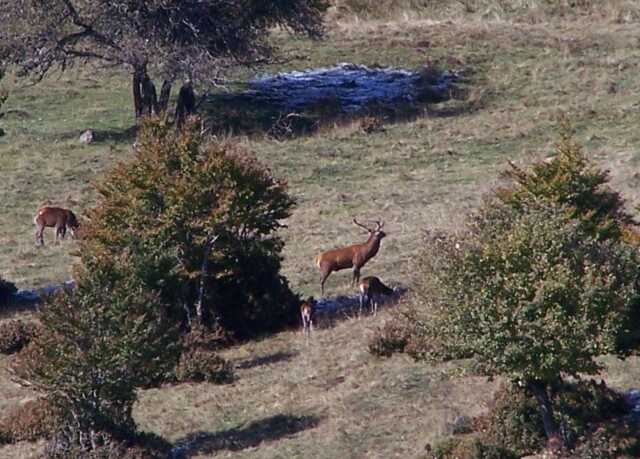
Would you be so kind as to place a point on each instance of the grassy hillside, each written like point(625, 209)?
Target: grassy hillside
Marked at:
point(329, 397)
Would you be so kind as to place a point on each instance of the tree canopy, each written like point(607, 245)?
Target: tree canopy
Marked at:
point(193, 39)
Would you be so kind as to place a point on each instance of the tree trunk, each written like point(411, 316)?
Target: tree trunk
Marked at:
point(201, 313)
point(165, 93)
point(137, 94)
point(539, 390)
point(149, 96)
point(186, 103)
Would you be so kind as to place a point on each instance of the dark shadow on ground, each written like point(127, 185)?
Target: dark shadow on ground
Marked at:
point(246, 436)
point(330, 310)
point(265, 360)
point(270, 109)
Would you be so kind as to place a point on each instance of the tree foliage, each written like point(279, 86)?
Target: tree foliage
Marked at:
point(168, 38)
point(571, 180)
point(541, 281)
point(98, 343)
point(177, 193)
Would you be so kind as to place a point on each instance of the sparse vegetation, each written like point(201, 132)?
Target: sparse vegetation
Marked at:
point(33, 420)
point(16, 334)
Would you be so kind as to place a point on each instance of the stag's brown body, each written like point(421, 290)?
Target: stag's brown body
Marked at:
point(307, 312)
point(371, 289)
point(353, 256)
point(56, 217)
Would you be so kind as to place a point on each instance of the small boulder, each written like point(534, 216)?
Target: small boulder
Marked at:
point(88, 136)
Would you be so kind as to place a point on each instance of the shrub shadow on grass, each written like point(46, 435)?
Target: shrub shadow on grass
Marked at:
point(265, 360)
point(247, 436)
point(300, 103)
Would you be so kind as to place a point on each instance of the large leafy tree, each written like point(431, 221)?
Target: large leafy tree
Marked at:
point(543, 279)
point(206, 214)
point(190, 39)
point(98, 344)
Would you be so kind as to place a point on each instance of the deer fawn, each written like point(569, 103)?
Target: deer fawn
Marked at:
point(61, 219)
point(353, 256)
point(307, 312)
point(371, 288)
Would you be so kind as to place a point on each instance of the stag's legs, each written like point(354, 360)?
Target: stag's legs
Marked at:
point(356, 276)
point(361, 304)
point(322, 281)
point(374, 304)
point(61, 232)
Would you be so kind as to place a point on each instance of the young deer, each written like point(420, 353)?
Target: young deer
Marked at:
point(353, 256)
point(61, 219)
point(307, 312)
point(371, 289)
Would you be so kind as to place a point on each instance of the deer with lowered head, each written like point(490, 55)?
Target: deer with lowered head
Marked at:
point(353, 256)
point(57, 217)
point(371, 289)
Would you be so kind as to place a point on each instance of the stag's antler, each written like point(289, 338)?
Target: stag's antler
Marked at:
point(362, 226)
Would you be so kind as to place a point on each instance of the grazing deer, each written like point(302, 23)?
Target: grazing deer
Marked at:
point(307, 312)
point(371, 288)
point(56, 217)
point(353, 256)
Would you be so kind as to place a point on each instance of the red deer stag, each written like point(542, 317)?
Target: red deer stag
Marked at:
point(371, 289)
point(307, 312)
point(56, 217)
point(353, 256)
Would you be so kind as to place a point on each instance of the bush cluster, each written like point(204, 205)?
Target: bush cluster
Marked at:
point(392, 337)
point(199, 360)
point(178, 192)
point(592, 417)
point(16, 334)
point(30, 421)
point(98, 343)
point(198, 364)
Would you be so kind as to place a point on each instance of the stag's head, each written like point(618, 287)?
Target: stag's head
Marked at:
point(376, 232)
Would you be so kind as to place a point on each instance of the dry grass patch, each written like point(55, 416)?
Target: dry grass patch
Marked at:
point(321, 397)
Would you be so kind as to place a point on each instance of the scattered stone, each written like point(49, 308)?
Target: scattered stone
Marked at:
point(88, 136)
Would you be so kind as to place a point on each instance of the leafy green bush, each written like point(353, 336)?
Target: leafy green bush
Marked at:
point(7, 289)
point(514, 421)
point(15, 334)
point(178, 193)
point(99, 342)
point(570, 180)
point(542, 280)
point(30, 421)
